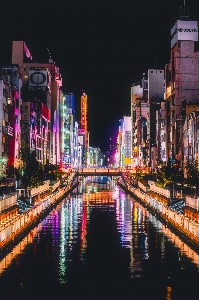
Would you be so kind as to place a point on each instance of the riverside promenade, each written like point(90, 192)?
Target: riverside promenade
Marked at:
point(184, 226)
point(17, 225)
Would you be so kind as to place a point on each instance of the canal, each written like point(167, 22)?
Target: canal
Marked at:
point(100, 243)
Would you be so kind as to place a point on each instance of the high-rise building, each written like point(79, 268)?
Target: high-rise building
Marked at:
point(10, 116)
point(125, 142)
point(68, 132)
point(146, 102)
point(139, 109)
point(83, 130)
point(76, 161)
point(182, 83)
point(191, 138)
point(112, 150)
point(155, 98)
point(41, 86)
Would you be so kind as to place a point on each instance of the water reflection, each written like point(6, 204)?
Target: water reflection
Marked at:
point(99, 236)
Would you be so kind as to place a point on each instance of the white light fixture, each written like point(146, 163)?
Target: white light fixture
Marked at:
point(9, 100)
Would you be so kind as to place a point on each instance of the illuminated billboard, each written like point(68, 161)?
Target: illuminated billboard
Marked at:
point(67, 156)
point(84, 111)
point(184, 31)
point(81, 140)
point(67, 139)
point(127, 140)
point(38, 80)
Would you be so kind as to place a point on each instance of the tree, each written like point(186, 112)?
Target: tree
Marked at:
point(17, 173)
point(170, 173)
point(52, 172)
point(192, 169)
point(139, 174)
point(32, 173)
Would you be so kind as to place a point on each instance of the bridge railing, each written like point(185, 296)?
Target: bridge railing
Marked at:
point(98, 170)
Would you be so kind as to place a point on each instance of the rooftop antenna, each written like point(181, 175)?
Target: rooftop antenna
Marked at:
point(184, 11)
point(50, 58)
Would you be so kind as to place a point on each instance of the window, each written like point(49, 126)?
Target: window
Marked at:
point(173, 100)
point(4, 93)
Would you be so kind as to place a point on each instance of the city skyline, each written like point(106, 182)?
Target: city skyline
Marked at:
point(101, 48)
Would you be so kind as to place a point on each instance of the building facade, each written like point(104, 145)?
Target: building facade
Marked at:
point(10, 116)
point(41, 87)
point(68, 132)
point(182, 84)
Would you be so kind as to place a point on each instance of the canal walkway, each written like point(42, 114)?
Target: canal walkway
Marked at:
point(17, 225)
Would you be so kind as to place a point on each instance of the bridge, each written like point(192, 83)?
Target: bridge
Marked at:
point(98, 172)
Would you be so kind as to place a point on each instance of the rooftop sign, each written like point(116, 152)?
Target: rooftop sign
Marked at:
point(184, 31)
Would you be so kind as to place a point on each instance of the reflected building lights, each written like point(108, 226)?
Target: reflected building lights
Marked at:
point(83, 244)
point(19, 248)
point(71, 216)
point(63, 248)
point(69, 222)
point(130, 220)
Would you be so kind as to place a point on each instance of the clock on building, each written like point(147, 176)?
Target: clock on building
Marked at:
point(37, 78)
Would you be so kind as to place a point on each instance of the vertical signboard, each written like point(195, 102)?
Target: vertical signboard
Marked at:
point(127, 140)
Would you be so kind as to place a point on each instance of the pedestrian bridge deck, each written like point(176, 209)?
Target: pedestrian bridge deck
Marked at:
point(98, 172)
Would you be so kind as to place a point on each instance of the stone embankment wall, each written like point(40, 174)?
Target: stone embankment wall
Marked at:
point(184, 225)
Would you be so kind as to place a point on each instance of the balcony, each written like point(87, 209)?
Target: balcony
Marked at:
point(6, 78)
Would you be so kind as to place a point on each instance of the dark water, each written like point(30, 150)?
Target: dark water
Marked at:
point(100, 245)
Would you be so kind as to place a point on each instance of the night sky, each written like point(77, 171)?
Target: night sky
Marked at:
point(101, 47)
